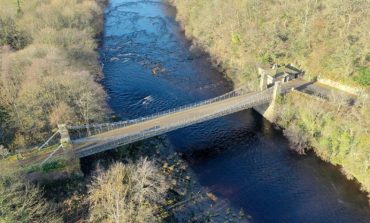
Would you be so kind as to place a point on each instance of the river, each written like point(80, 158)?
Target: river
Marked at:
point(241, 157)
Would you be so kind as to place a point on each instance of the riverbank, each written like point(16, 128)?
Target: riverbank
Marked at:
point(185, 199)
point(337, 133)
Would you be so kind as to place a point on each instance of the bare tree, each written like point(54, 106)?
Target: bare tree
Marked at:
point(298, 138)
point(127, 193)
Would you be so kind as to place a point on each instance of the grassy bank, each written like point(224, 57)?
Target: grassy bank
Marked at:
point(49, 68)
point(323, 38)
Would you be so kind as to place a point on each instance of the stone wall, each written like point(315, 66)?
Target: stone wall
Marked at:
point(342, 87)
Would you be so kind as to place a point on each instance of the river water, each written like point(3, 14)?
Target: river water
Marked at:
point(241, 158)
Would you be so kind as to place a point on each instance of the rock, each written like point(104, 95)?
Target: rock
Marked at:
point(4, 152)
point(228, 211)
point(174, 182)
point(158, 69)
point(114, 59)
point(165, 165)
point(212, 196)
point(155, 70)
point(241, 213)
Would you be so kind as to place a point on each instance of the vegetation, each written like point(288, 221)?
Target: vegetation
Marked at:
point(326, 38)
point(49, 68)
point(127, 193)
point(23, 202)
point(131, 192)
point(338, 134)
point(49, 71)
point(55, 165)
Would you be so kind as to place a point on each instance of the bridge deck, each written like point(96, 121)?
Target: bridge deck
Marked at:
point(163, 124)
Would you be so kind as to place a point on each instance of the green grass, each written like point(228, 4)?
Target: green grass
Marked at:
point(11, 164)
point(47, 167)
point(363, 76)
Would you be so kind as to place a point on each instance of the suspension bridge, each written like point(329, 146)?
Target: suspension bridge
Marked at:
point(86, 140)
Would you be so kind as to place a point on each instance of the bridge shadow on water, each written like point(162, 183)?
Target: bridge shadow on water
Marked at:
point(219, 141)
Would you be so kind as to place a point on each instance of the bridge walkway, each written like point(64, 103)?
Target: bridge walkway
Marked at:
point(128, 134)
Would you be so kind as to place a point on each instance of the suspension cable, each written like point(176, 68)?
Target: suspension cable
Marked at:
point(47, 141)
point(51, 154)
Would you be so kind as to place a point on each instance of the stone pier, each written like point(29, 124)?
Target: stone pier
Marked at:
point(66, 142)
point(263, 80)
point(65, 139)
point(74, 162)
point(268, 110)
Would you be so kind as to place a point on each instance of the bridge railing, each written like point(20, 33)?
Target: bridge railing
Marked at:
point(113, 142)
point(93, 129)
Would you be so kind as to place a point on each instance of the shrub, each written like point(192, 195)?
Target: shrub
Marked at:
point(10, 35)
point(24, 202)
point(50, 166)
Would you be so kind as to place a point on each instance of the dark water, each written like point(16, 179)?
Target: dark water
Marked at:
point(241, 157)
